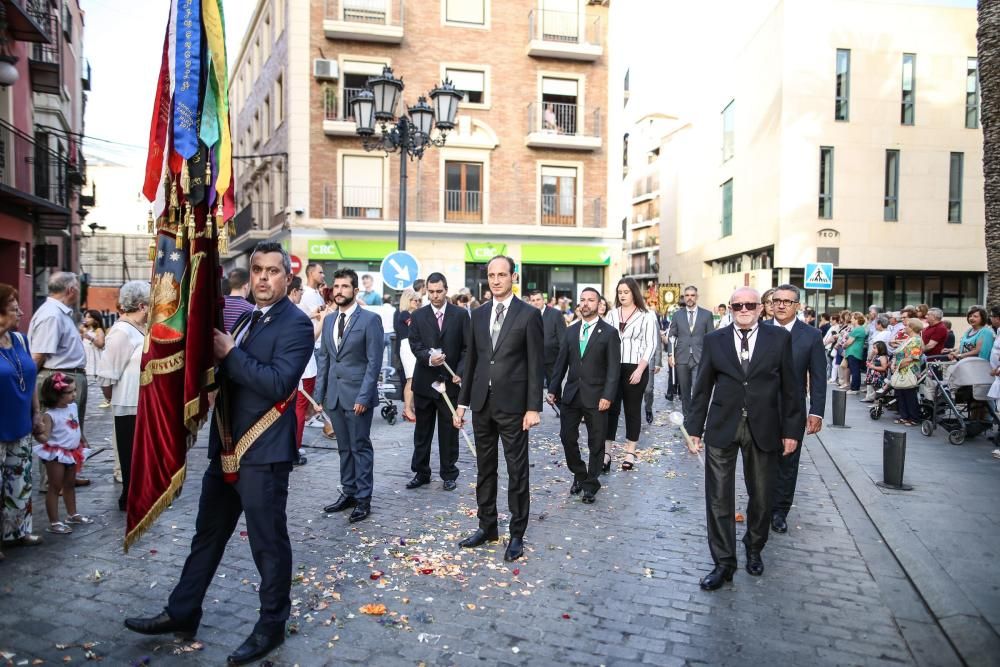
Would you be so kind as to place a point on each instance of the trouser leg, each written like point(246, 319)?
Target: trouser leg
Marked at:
point(423, 435)
point(447, 441)
point(348, 477)
point(124, 437)
point(569, 434)
point(487, 436)
point(595, 422)
point(759, 469)
point(720, 501)
point(515, 451)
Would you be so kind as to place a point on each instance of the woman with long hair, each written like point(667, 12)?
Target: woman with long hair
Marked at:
point(92, 332)
point(978, 340)
point(408, 302)
point(639, 331)
point(768, 314)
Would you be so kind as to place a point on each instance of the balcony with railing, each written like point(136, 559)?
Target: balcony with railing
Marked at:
point(562, 125)
point(32, 176)
point(566, 35)
point(257, 220)
point(456, 207)
point(643, 244)
point(364, 20)
point(646, 188)
point(338, 117)
point(45, 59)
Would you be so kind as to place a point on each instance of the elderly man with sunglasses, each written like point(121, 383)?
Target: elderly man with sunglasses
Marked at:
point(744, 401)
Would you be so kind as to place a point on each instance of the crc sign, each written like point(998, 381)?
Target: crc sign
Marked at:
point(324, 250)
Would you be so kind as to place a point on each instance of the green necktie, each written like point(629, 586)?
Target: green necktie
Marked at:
point(584, 337)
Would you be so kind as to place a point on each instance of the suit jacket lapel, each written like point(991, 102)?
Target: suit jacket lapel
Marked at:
point(760, 348)
point(729, 349)
point(508, 321)
point(449, 314)
point(347, 329)
point(274, 312)
point(590, 338)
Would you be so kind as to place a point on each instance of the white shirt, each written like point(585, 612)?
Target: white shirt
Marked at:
point(506, 309)
point(640, 337)
point(311, 368)
point(119, 366)
point(788, 326)
point(52, 332)
point(387, 312)
point(751, 340)
point(347, 320)
point(311, 300)
point(243, 331)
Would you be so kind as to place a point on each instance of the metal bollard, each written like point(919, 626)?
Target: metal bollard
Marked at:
point(893, 461)
point(839, 408)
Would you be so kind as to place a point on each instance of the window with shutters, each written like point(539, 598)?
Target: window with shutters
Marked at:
point(559, 196)
point(468, 13)
point(362, 190)
point(472, 83)
point(463, 192)
point(560, 104)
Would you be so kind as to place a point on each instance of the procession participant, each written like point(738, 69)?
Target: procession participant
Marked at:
point(503, 388)
point(591, 354)
point(553, 329)
point(688, 328)
point(259, 370)
point(313, 303)
point(747, 373)
point(809, 365)
point(348, 363)
point(438, 335)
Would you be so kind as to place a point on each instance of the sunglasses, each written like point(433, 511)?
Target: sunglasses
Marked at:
point(749, 305)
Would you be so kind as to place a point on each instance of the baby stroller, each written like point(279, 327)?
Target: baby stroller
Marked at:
point(388, 388)
point(960, 403)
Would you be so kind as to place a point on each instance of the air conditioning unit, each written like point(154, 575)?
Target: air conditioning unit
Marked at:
point(325, 70)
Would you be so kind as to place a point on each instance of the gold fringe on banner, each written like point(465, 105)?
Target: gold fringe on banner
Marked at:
point(223, 229)
point(160, 506)
point(150, 223)
point(152, 250)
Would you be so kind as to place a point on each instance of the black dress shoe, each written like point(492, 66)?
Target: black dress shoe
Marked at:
point(417, 482)
point(714, 579)
point(649, 416)
point(361, 512)
point(450, 485)
point(479, 538)
point(515, 549)
point(342, 503)
point(256, 647)
point(778, 524)
point(755, 565)
point(300, 460)
point(576, 487)
point(589, 497)
point(162, 625)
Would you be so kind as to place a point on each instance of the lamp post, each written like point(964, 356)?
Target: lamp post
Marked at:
point(410, 134)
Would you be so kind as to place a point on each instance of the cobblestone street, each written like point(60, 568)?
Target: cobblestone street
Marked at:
point(611, 583)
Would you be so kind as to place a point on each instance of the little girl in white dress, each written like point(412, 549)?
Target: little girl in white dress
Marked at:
point(63, 449)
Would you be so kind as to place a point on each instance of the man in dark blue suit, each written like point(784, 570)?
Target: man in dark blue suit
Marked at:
point(809, 363)
point(259, 369)
point(348, 361)
point(444, 329)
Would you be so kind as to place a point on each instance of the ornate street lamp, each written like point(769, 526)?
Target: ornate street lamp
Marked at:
point(410, 134)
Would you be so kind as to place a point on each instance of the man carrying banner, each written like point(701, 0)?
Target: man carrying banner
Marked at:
point(251, 449)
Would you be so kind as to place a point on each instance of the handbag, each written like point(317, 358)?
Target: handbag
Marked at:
point(903, 380)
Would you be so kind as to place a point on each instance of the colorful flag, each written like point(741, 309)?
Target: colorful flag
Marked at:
point(177, 368)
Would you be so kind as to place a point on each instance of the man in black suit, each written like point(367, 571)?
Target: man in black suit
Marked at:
point(259, 370)
point(591, 352)
point(688, 328)
point(553, 329)
point(810, 375)
point(439, 333)
point(748, 377)
point(503, 387)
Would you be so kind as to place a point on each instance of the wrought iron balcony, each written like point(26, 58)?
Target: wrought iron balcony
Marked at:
point(45, 59)
point(364, 20)
point(32, 175)
point(562, 125)
point(338, 118)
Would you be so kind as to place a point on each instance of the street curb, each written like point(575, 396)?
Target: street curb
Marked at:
point(972, 637)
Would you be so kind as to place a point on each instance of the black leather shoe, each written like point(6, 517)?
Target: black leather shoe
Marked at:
point(575, 487)
point(589, 497)
point(162, 625)
point(300, 460)
point(649, 416)
point(256, 647)
point(515, 549)
point(778, 524)
point(361, 512)
point(342, 503)
point(714, 579)
point(479, 538)
point(417, 482)
point(450, 485)
point(755, 565)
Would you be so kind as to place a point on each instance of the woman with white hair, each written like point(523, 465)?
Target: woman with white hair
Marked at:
point(118, 371)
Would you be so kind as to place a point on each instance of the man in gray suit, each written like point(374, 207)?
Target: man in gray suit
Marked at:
point(349, 361)
point(688, 328)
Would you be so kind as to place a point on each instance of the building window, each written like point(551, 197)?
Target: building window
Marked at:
point(825, 182)
point(559, 196)
point(955, 187)
point(727, 208)
point(728, 136)
point(279, 100)
point(267, 118)
point(906, 111)
point(972, 94)
point(559, 105)
point(843, 90)
point(891, 205)
point(465, 11)
point(361, 183)
point(471, 83)
point(354, 76)
point(463, 192)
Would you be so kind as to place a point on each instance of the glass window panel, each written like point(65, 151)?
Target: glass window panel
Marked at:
point(891, 206)
point(856, 293)
point(876, 291)
point(894, 292)
point(932, 291)
point(589, 274)
point(913, 292)
point(836, 297)
point(826, 182)
point(970, 292)
point(972, 94)
point(843, 85)
point(955, 188)
point(453, 176)
point(728, 129)
point(951, 302)
point(727, 208)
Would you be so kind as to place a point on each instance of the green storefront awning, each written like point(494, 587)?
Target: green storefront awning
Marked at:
point(350, 249)
point(579, 255)
point(480, 253)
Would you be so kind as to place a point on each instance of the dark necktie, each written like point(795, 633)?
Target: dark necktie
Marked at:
point(691, 321)
point(341, 323)
point(745, 349)
point(254, 319)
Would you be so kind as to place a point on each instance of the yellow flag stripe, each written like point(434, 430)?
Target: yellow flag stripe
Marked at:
point(217, 47)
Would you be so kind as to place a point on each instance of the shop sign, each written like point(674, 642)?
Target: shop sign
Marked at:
point(349, 249)
point(480, 253)
point(577, 255)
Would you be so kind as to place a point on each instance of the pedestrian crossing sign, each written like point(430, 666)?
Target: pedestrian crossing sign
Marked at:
point(819, 275)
